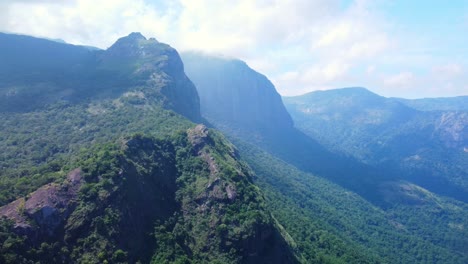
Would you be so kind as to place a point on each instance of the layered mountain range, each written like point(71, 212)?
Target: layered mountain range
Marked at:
point(428, 146)
point(329, 139)
point(105, 160)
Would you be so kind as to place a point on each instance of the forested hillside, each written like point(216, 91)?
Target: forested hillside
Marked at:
point(371, 206)
point(428, 148)
point(331, 224)
point(97, 167)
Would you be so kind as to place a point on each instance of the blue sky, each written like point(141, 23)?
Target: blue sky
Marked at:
point(403, 48)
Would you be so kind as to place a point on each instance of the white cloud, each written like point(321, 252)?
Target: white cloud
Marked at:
point(327, 72)
point(448, 70)
point(85, 21)
point(370, 69)
point(441, 81)
point(400, 80)
point(312, 78)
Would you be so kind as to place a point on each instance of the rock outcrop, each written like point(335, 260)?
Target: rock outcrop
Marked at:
point(43, 212)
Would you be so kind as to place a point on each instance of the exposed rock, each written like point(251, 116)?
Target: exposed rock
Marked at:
point(45, 209)
point(198, 136)
point(217, 188)
point(405, 193)
point(231, 192)
point(453, 128)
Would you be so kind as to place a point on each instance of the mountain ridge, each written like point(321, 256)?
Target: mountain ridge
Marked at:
point(65, 72)
point(388, 132)
point(144, 183)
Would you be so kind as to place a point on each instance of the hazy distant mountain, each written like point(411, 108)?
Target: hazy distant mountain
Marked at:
point(96, 167)
point(430, 148)
point(233, 95)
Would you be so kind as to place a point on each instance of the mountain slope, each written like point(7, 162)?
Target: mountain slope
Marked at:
point(97, 104)
point(427, 147)
point(279, 137)
point(38, 72)
point(189, 190)
point(101, 168)
point(372, 207)
point(349, 107)
point(331, 224)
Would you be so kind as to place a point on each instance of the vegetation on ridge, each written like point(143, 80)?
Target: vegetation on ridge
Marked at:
point(182, 197)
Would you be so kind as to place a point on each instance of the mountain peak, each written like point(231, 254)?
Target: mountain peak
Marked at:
point(133, 40)
point(136, 35)
point(133, 37)
point(151, 61)
point(345, 91)
point(135, 45)
point(356, 90)
point(349, 96)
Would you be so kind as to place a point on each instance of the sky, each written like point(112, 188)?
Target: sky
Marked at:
point(396, 48)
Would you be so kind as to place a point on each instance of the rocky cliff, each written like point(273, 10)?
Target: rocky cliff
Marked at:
point(234, 95)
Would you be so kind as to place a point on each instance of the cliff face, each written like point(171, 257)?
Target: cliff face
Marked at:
point(43, 212)
point(234, 95)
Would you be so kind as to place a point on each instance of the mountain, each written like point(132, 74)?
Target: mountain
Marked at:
point(232, 95)
point(144, 199)
point(428, 147)
point(101, 163)
point(331, 224)
point(37, 72)
point(213, 77)
point(357, 109)
point(367, 210)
